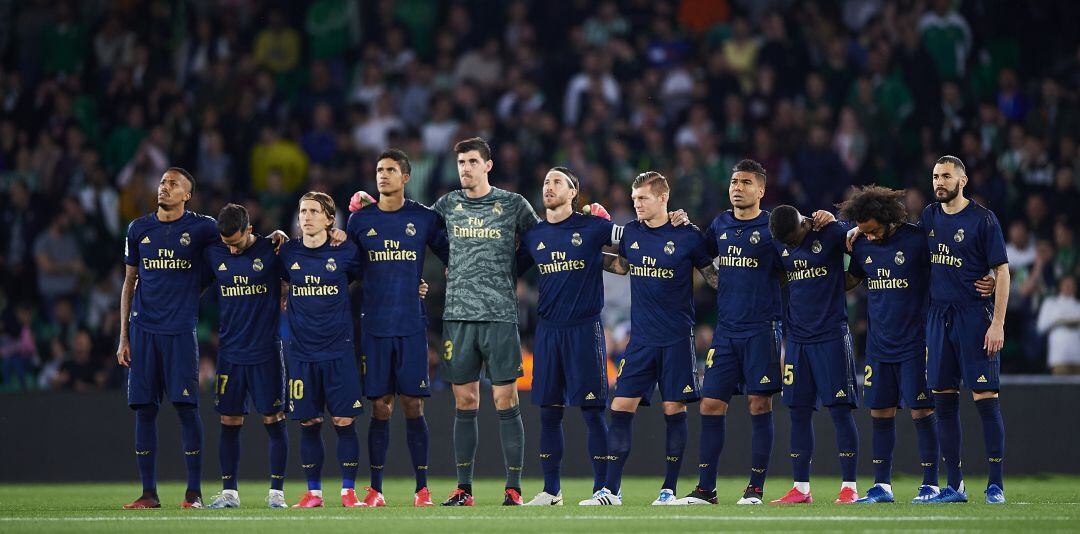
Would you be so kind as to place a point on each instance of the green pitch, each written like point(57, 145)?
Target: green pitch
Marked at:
point(1035, 504)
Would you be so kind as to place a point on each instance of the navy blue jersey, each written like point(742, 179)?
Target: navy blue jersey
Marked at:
point(169, 256)
point(897, 274)
point(569, 257)
point(816, 310)
point(662, 262)
point(318, 309)
point(248, 289)
point(392, 246)
point(748, 275)
point(963, 248)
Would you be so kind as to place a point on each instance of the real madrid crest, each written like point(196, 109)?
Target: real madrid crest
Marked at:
point(185, 239)
point(410, 229)
point(816, 247)
point(497, 208)
point(669, 248)
point(257, 265)
point(958, 236)
point(755, 237)
point(899, 258)
point(331, 265)
point(576, 239)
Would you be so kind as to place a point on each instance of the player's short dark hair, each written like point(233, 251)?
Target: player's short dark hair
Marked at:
point(783, 221)
point(231, 219)
point(184, 172)
point(750, 166)
point(884, 205)
point(399, 157)
point(955, 162)
point(575, 184)
point(654, 180)
point(324, 201)
point(474, 143)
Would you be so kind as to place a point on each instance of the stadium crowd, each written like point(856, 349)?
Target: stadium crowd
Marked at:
point(264, 100)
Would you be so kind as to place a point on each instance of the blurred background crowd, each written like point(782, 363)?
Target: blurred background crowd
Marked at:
point(264, 100)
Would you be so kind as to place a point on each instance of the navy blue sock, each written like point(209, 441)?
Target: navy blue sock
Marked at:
point(847, 441)
point(146, 447)
point(926, 433)
point(802, 442)
point(993, 437)
point(229, 455)
point(312, 454)
point(761, 444)
point(279, 453)
point(884, 442)
point(348, 454)
point(709, 448)
point(596, 436)
point(947, 407)
point(676, 446)
point(416, 435)
point(191, 438)
point(551, 446)
point(619, 434)
point(378, 440)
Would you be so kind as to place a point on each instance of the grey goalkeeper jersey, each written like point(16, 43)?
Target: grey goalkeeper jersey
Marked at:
point(483, 241)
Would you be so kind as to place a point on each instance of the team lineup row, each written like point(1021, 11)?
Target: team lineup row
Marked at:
point(780, 280)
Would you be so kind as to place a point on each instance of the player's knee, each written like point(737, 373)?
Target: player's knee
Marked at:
point(713, 407)
point(412, 406)
point(506, 396)
point(232, 420)
point(382, 407)
point(343, 421)
point(759, 404)
point(921, 414)
point(466, 397)
point(311, 422)
point(269, 419)
point(980, 395)
point(625, 404)
point(672, 408)
point(885, 413)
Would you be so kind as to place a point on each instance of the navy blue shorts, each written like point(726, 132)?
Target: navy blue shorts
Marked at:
point(570, 365)
point(327, 385)
point(743, 366)
point(896, 384)
point(395, 365)
point(162, 364)
point(672, 369)
point(822, 372)
point(263, 383)
point(954, 345)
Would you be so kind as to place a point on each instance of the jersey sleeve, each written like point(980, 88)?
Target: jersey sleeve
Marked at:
point(352, 228)
point(207, 230)
point(523, 259)
point(994, 241)
point(699, 254)
point(855, 266)
point(440, 205)
point(526, 217)
point(438, 239)
point(709, 246)
point(924, 219)
point(131, 247)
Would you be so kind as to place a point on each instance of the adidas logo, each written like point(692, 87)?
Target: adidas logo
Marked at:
point(922, 396)
point(982, 379)
point(590, 396)
point(840, 394)
point(634, 246)
point(931, 233)
point(765, 380)
point(687, 389)
point(371, 232)
point(458, 207)
point(723, 235)
point(277, 402)
point(868, 260)
point(357, 404)
point(295, 266)
point(145, 240)
point(222, 267)
point(185, 393)
point(540, 246)
point(785, 254)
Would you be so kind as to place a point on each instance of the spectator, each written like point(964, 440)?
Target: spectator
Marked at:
point(18, 352)
point(59, 263)
point(1059, 319)
point(80, 373)
point(947, 36)
point(277, 47)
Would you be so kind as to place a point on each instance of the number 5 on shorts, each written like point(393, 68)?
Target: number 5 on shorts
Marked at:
point(789, 374)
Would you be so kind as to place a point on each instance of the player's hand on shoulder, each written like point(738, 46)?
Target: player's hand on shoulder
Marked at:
point(278, 238)
point(822, 218)
point(852, 235)
point(679, 217)
point(360, 200)
point(337, 236)
point(123, 352)
point(596, 210)
point(986, 285)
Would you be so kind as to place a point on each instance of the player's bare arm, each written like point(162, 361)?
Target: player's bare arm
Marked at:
point(711, 275)
point(851, 281)
point(613, 263)
point(995, 335)
point(131, 277)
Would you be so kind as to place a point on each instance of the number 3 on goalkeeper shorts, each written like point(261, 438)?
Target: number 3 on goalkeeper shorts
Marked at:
point(296, 389)
point(789, 374)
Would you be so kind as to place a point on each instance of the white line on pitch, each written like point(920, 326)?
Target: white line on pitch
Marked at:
point(369, 517)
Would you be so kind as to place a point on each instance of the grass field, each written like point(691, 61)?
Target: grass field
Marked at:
point(1049, 503)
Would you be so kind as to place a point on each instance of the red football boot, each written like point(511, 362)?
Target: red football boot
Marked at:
point(512, 498)
point(794, 496)
point(349, 499)
point(423, 498)
point(847, 496)
point(309, 500)
point(374, 498)
point(459, 497)
point(143, 503)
